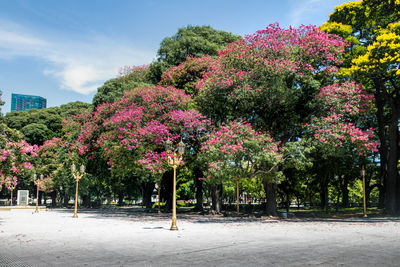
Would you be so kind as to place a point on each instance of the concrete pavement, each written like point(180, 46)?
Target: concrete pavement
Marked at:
point(121, 238)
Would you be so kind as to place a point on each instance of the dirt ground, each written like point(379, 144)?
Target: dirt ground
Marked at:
point(123, 238)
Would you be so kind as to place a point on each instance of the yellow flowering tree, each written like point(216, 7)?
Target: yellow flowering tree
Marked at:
point(382, 57)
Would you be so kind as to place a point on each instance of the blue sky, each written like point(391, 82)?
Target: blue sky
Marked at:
point(64, 50)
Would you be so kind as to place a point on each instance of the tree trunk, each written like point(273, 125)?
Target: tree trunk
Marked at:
point(381, 203)
point(368, 196)
point(166, 189)
point(270, 192)
point(337, 201)
point(391, 142)
point(383, 148)
point(287, 202)
point(120, 198)
point(368, 189)
point(148, 188)
point(324, 192)
point(66, 199)
point(53, 199)
point(392, 171)
point(216, 195)
point(86, 201)
point(199, 190)
point(40, 197)
point(345, 192)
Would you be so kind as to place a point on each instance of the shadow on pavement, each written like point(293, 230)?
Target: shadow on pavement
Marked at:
point(350, 220)
point(138, 214)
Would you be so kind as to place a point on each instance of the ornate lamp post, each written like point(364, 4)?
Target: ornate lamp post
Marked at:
point(174, 159)
point(364, 198)
point(77, 175)
point(38, 183)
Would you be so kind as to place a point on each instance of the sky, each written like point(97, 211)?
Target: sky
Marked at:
point(64, 50)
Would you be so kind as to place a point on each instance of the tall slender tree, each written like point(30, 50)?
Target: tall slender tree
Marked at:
point(373, 29)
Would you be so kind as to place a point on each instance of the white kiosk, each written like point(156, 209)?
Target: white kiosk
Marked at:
point(22, 197)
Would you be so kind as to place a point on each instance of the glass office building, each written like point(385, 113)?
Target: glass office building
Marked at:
point(26, 102)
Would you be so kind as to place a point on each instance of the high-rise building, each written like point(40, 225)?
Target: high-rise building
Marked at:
point(26, 102)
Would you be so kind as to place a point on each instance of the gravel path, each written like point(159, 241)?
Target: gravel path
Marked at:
point(119, 238)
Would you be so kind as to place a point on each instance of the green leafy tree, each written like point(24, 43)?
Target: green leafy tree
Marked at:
point(194, 41)
point(130, 78)
point(16, 120)
point(35, 133)
point(74, 108)
point(1, 104)
point(39, 125)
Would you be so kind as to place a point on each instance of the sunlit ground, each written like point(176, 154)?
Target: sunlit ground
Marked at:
point(129, 237)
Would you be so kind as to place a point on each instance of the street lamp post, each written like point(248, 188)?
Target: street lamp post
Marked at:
point(77, 175)
point(364, 198)
point(174, 159)
point(38, 183)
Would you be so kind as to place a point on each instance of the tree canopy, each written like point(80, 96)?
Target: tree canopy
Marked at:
point(194, 41)
point(270, 77)
point(38, 125)
point(113, 89)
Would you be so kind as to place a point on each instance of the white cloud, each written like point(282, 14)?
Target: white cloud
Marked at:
point(14, 41)
point(304, 9)
point(78, 66)
point(9, 38)
point(83, 79)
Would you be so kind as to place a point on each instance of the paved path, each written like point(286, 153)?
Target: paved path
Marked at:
point(121, 238)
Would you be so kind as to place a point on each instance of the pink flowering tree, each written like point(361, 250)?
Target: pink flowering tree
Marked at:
point(47, 184)
point(347, 109)
point(51, 162)
point(48, 162)
point(341, 132)
point(235, 151)
point(16, 156)
point(137, 73)
point(74, 150)
point(131, 132)
point(10, 183)
point(133, 128)
point(270, 79)
point(186, 75)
